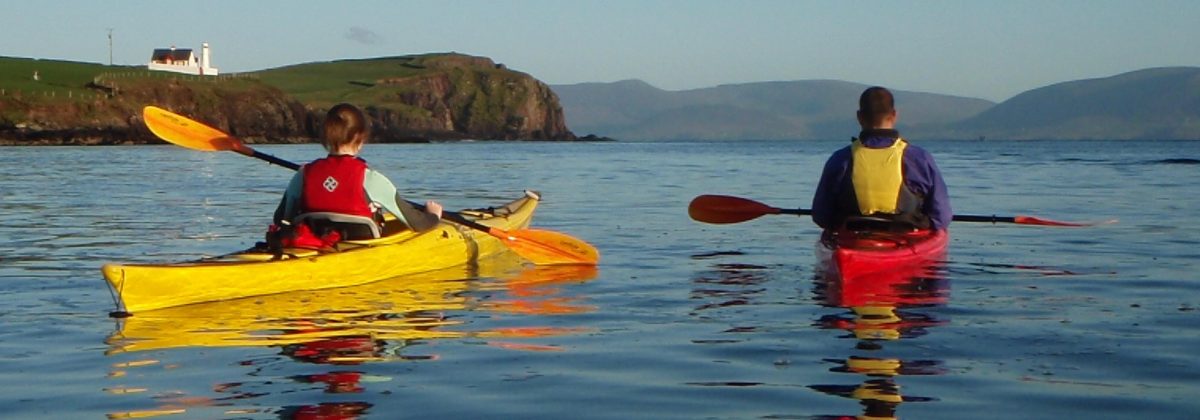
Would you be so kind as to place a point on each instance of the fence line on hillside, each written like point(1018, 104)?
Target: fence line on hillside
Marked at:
point(113, 88)
point(33, 94)
point(149, 74)
point(107, 83)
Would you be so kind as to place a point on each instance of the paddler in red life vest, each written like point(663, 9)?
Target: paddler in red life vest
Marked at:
point(339, 193)
point(880, 182)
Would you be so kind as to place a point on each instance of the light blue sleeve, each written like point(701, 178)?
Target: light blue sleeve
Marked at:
point(382, 192)
point(290, 205)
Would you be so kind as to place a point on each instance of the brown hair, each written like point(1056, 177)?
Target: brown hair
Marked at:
point(345, 124)
point(875, 104)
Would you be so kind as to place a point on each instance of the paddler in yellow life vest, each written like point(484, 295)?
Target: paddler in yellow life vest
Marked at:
point(880, 181)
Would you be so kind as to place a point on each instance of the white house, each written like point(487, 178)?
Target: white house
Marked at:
point(183, 61)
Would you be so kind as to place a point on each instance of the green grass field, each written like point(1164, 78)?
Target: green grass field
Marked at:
point(357, 81)
point(63, 80)
point(336, 81)
point(73, 81)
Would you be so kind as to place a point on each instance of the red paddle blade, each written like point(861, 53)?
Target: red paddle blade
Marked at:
point(1030, 220)
point(723, 209)
point(546, 247)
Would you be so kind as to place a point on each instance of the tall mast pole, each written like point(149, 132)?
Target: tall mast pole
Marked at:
point(110, 61)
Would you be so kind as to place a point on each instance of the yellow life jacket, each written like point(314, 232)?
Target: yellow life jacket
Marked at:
point(878, 177)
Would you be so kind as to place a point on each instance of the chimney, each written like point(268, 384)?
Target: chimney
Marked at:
point(205, 57)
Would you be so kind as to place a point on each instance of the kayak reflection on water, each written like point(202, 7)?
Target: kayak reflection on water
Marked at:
point(881, 307)
point(343, 328)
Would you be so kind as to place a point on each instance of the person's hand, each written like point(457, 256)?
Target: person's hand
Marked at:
point(433, 207)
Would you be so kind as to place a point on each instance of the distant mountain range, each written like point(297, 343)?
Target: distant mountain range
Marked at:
point(1158, 103)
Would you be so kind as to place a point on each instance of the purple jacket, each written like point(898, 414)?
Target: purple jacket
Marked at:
point(921, 175)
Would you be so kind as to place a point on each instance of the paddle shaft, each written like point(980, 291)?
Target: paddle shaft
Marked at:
point(272, 159)
point(993, 219)
point(724, 209)
point(798, 212)
point(957, 218)
point(985, 219)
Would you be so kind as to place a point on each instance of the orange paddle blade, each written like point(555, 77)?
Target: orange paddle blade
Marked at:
point(545, 247)
point(186, 132)
point(534, 277)
point(722, 209)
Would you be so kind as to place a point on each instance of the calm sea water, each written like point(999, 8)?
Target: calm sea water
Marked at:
point(680, 320)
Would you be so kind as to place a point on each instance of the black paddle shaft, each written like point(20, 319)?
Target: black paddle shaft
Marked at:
point(992, 219)
point(272, 159)
point(957, 218)
point(798, 212)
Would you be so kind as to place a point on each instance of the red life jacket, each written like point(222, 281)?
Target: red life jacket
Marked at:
point(335, 184)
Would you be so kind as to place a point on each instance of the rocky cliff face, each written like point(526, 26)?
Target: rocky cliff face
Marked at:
point(257, 113)
point(450, 97)
point(468, 97)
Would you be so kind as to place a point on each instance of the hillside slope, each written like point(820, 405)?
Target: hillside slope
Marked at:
point(809, 109)
point(1158, 103)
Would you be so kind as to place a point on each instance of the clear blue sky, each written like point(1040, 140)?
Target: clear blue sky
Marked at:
point(992, 50)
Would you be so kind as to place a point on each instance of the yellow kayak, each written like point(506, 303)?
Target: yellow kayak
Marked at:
point(142, 287)
point(398, 309)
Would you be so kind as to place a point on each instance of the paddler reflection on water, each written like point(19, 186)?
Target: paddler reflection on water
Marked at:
point(345, 352)
point(338, 197)
point(882, 307)
point(875, 303)
point(879, 394)
point(880, 181)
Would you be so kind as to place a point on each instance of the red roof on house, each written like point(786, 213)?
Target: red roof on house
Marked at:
point(165, 54)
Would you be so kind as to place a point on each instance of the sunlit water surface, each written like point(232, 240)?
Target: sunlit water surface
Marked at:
point(680, 320)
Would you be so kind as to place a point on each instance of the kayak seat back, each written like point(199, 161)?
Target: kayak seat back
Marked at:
point(349, 226)
point(877, 224)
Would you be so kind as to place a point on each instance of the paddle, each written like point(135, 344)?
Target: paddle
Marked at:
point(722, 209)
point(542, 247)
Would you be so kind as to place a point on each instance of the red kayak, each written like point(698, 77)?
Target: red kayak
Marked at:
point(851, 255)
